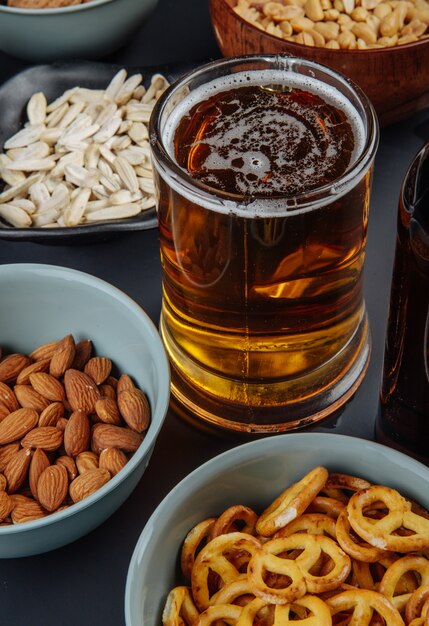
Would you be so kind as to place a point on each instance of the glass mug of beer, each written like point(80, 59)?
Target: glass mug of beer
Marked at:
point(263, 168)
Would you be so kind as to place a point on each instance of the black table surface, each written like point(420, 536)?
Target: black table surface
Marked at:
point(83, 583)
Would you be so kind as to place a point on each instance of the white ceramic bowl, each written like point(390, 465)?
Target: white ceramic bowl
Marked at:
point(86, 31)
point(41, 303)
point(252, 474)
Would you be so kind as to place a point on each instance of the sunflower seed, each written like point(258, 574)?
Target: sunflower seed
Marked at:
point(115, 85)
point(114, 212)
point(36, 108)
point(126, 173)
point(19, 188)
point(74, 212)
point(32, 165)
point(15, 216)
point(25, 136)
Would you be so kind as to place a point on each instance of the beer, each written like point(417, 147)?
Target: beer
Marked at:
point(403, 420)
point(262, 295)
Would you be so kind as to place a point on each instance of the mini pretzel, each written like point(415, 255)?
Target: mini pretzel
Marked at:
point(393, 574)
point(379, 532)
point(228, 613)
point(216, 557)
point(418, 604)
point(320, 613)
point(179, 609)
point(227, 522)
point(360, 551)
point(346, 481)
point(269, 559)
point(292, 502)
point(313, 523)
point(363, 603)
point(328, 506)
point(240, 591)
point(193, 540)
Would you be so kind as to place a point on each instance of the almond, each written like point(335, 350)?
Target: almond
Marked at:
point(63, 356)
point(27, 512)
point(87, 483)
point(48, 438)
point(6, 505)
point(110, 436)
point(124, 383)
point(82, 392)
point(113, 460)
point(134, 408)
point(29, 398)
point(62, 423)
point(45, 351)
point(38, 366)
point(51, 415)
point(3, 482)
point(17, 468)
point(86, 461)
point(6, 453)
point(17, 424)
point(112, 381)
point(77, 433)
point(107, 391)
point(108, 412)
point(39, 463)
point(3, 411)
point(11, 366)
point(69, 464)
point(99, 369)
point(8, 398)
point(48, 386)
point(82, 354)
point(52, 487)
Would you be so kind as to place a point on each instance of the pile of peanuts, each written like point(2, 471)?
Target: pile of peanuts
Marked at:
point(340, 24)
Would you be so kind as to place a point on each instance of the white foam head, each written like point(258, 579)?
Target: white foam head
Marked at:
point(255, 161)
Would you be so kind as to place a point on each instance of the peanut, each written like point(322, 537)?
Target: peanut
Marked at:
point(341, 24)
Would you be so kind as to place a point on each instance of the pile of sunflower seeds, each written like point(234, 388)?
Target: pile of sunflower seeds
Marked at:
point(82, 158)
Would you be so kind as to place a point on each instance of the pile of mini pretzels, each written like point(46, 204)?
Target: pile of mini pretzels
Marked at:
point(332, 549)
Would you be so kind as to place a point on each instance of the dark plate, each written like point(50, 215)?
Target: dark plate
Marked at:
point(53, 80)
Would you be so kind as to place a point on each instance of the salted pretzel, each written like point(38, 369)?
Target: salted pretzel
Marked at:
point(216, 557)
point(418, 604)
point(292, 502)
point(389, 583)
point(179, 609)
point(299, 578)
point(380, 532)
point(195, 538)
point(240, 591)
point(346, 482)
point(307, 611)
point(328, 506)
point(313, 523)
point(231, 517)
point(227, 613)
point(361, 604)
point(357, 549)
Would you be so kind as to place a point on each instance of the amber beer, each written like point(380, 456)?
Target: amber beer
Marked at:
point(262, 227)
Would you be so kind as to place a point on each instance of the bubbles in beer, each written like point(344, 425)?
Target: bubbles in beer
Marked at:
point(259, 142)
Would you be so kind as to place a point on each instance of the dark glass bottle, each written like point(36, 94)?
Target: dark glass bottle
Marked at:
point(403, 419)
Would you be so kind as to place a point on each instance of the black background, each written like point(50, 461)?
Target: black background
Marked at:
point(84, 583)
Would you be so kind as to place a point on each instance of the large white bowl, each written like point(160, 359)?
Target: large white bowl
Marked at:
point(41, 303)
point(252, 474)
point(82, 31)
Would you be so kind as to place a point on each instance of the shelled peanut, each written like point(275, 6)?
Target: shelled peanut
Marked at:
point(67, 426)
point(340, 24)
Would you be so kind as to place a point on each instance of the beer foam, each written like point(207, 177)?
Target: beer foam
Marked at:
point(253, 162)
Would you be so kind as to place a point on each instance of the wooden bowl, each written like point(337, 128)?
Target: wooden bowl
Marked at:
point(395, 79)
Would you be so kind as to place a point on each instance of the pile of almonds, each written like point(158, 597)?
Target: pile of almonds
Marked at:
point(67, 426)
point(340, 24)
